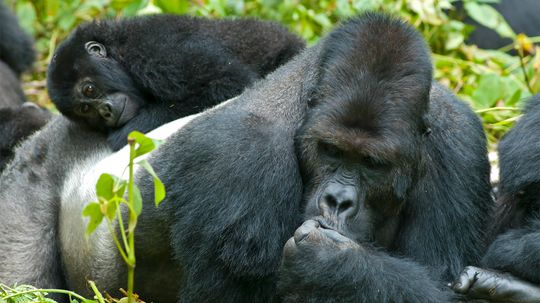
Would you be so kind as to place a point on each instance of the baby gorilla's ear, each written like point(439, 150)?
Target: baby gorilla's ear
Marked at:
point(96, 49)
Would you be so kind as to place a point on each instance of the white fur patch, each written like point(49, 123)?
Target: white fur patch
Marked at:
point(95, 258)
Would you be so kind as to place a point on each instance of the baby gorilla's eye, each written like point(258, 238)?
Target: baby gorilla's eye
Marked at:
point(89, 90)
point(85, 108)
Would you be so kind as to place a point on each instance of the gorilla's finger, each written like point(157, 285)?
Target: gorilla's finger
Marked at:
point(334, 235)
point(302, 231)
point(466, 280)
point(289, 248)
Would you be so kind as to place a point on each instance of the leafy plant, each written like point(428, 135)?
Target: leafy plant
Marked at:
point(111, 190)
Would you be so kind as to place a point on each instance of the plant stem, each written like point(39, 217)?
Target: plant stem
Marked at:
point(131, 235)
point(121, 226)
point(116, 242)
point(96, 292)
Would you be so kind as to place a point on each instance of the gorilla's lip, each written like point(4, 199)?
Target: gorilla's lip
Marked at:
point(328, 224)
point(119, 122)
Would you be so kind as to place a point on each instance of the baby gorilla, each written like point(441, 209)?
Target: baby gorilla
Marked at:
point(139, 73)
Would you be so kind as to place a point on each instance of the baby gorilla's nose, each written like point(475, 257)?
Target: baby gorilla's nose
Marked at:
point(106, 112)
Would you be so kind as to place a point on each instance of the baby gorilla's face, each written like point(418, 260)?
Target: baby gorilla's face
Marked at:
point(99, 92)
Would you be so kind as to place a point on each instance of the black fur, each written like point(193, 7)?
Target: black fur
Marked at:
point(16, 56)
point(11, 93)
point(515, 250)
point(235, 178)
point(17, 123)
point(165, 66)
point(16, 46)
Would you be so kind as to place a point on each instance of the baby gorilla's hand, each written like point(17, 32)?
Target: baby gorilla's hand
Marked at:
point(494, 286)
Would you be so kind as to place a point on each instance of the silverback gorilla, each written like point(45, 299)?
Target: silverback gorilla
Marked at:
point(140, 73)
point(511, 265)
point(387, 170)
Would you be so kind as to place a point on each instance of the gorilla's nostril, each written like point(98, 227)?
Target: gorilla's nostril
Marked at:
point(330, 201)
point(107, 115)
point(345, 205)
point(108, 108)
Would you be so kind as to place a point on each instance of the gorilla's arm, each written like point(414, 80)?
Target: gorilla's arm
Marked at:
point(494, 286)
point(31, 186)
point(16, 47)
point(321, 265)
point(517, 251)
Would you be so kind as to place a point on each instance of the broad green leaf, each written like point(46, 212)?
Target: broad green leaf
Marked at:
point(105, 187)
point(159, 188)
point(514, 98)
point(144, 144)
point(489, 17)
point(109, 186)
point(454, 40)
point(93, 211)
point(490, 90)
point(27, 16)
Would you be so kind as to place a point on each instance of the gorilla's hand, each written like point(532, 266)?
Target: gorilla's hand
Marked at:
point(312, 236)
point(313, 260)
point(494, 286)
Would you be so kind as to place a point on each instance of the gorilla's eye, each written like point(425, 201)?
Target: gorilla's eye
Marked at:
point(372, 163)
point(330, 150)
point(89, 90)
point(96, 49)
point(85, 108)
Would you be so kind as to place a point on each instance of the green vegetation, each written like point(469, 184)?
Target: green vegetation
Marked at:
point(493, 82)
point(111, 193)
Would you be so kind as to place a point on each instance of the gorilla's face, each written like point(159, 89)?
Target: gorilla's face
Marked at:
point(360, 144)
point(355, 180)
point(88, 85)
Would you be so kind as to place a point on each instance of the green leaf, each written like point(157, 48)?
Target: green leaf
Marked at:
point(490, 90)
point(27, 16)
point(454, 40)
point(137, 200)
point(489, 17)
point(93, 211)
point(109, 186)
point(159, 188)
point(105, 187)
point(144, 144)
point(110, 210)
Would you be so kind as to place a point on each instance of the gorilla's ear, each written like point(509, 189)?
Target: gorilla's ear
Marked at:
point(96, 49)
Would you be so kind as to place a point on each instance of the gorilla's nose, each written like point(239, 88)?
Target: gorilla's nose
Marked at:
point(339, 200)
point(106, 111)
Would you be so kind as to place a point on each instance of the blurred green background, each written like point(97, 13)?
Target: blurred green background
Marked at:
point(492, 81)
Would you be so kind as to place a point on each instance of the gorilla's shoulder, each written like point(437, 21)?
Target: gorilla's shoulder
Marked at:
point(519, 149)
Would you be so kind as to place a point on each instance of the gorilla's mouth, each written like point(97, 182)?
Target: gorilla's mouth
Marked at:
point(329, 224)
